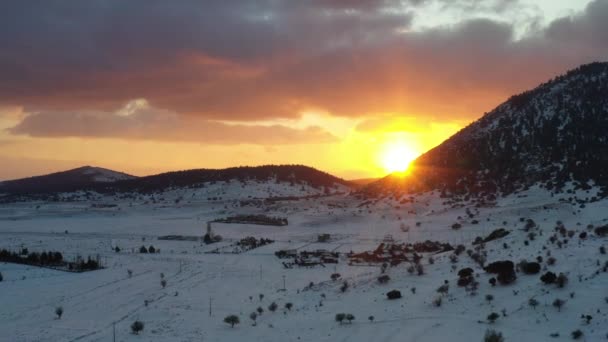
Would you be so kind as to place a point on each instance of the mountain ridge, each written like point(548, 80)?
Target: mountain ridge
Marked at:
point(550, 135)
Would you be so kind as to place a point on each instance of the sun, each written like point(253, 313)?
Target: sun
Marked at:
point(397, 156)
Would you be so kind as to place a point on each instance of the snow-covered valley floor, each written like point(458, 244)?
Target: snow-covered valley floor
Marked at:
point(202, 289)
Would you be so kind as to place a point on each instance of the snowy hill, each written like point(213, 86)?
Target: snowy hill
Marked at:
point(64, 181)
point(238, 183)
point(551, 135)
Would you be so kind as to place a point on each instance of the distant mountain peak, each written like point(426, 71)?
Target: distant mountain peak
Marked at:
point(551, 135)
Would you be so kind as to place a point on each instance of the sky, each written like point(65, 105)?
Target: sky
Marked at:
point(357, 88)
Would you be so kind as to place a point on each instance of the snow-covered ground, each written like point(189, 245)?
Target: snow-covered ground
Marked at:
point(202, 288)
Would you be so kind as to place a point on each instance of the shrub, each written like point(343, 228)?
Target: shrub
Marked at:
point(576, 334)
point(232, 320)
point(505, 270)
point(465, 272)
point(456, 226)
point(273, 307)
point(260, 310)
point(163, 283)
point(493, 317)
point(383, 279)
point(394, 294)
point(143, 249)
point(443, 289)
point(335, 276)
point(288, 306)
point(59, 312)
point(344, 287)
point(561, 280)
point(529, 267)
point(438, 301)
point(493, 336)
point(558, 303)
point(533, 303)
point(371, 319)
point(548, 278)
point(602, 250)
point(340, 317)
point(350, 318)
point(136, 327)
point(253, 316)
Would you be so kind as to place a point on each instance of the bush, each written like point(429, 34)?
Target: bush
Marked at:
point(576, 334)
point(493, 336)
point(561, 280)
point(529, 267)
point(383, 279)
point(493, 317)
point(232, 320)
point(59, 312)
point(558, 303)
point(456, 226)
point(335, 276)
point(505, 270)
point(340, 317)
point(136, 327)
point(350, 318)
point(394, 294)
point(548, 278)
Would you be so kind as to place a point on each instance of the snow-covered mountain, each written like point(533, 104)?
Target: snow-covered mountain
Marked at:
point(552, 135)
point(89, 183)
point(64, 181)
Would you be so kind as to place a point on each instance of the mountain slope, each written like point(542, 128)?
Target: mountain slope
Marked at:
point(109, 182)
point(64, 181)
point(551, 135)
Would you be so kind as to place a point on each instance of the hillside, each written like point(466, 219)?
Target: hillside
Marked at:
point(64, 181)
point(552, 135)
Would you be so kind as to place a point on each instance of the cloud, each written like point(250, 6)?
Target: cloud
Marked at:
point(138, 120)
point(242, 60)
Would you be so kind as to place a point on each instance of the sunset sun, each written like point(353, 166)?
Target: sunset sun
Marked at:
point(397, 156)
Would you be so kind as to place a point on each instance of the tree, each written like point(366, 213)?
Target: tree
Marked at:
point(143, 249)
point(350, 318)
point(272, 307)
point(371, 319)
point(254, 317)
point(561, 280)
point(489, 298)
point(577, 334)
point(558, 303)
point(493, 336)
point(288, 306)
point(130, 273)
point(59, 312)
point(394, 294)
point(493, 317)
point(1, 277)
point(136, 327)
point(261, 296)
point(151, 249)
point(163, 283)
point(340, 317)
point(260, 310)
point(533, 303)
point(232, 320)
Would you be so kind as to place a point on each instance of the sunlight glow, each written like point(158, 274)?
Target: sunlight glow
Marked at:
point(397, 156)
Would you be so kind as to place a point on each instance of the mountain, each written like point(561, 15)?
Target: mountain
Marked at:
point(65, 181)
point(552, 136)
point(104, 181)
point(293, 174)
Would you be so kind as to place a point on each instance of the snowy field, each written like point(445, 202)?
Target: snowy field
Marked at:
point(202, 288)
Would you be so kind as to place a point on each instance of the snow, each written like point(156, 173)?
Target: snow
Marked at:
point(95, 301)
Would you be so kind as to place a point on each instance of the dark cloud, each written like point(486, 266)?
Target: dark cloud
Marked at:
point(251, 60)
